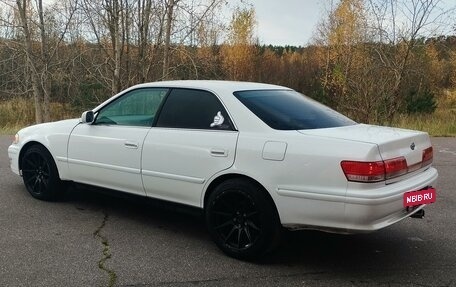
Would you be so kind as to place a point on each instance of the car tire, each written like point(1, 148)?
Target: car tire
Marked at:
point(40, 174)
point(242, 219)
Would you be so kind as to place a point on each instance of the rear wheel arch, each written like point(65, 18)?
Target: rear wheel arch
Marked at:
point(222, 178)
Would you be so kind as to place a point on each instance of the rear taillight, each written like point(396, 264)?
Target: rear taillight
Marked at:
point(361, 171)
point(395, 167)
point(376, 171)
point(364, 171)
point(427, 157)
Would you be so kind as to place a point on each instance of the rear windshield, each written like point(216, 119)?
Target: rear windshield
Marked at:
point(290, 110)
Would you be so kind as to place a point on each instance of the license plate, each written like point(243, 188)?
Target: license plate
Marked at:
point(424, 196)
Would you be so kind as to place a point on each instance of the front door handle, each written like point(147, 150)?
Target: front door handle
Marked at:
point(219, 152)
point(130, 144)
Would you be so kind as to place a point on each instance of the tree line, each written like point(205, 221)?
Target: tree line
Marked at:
point(370, 59)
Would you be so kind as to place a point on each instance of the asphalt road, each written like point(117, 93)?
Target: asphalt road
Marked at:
point(91, 239)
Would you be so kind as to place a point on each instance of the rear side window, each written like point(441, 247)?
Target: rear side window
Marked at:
point(193, 109)
point(290, 110)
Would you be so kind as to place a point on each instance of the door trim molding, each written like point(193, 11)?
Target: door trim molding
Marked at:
point(105, 166)
point(173, 176)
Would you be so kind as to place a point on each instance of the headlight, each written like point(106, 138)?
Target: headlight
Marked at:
point(16, 139)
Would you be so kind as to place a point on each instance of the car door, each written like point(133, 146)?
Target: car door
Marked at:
point(193, 139)
point(107, 152)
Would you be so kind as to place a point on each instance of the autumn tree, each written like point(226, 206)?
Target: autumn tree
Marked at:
point(370, 58)
point(398, 27)
point(239, 53)
point(205, 43)
point(369, 61)
point(148, 22)
point(185, 20)
point(36, 23)
point(346, 67)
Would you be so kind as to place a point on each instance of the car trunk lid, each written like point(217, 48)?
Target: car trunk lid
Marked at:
point(391, 142)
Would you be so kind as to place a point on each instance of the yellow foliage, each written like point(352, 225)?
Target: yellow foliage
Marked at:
point(347, 23)
point(238, 56)
point(435, 65)
point(21, 112)
point(453, 70)
point(238, 62)
point(242, 26)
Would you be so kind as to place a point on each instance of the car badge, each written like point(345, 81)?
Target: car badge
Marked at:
point(412, 146)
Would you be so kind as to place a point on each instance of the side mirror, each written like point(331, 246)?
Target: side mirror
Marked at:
point(87, 117)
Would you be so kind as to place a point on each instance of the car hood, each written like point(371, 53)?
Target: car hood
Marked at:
point(60, 126)
point(391, 142)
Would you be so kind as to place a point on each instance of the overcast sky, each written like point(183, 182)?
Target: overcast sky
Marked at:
point(292, 22)
point(286, 22)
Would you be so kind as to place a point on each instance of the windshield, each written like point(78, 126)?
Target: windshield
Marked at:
point(290, 110)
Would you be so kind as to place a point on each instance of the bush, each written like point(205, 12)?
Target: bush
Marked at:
point(421, 102)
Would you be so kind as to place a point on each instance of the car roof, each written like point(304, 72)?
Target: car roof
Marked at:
point(213, 85)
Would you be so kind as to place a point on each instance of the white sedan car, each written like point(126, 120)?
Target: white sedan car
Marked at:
point(255, 157)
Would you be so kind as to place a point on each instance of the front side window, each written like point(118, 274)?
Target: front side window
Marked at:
point(290, 110)
point(193, 109)
point(135, 108)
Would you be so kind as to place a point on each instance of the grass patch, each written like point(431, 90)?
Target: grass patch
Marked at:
point(10, 130)
point(18, 113)
point(441, 123)
point(438, 124)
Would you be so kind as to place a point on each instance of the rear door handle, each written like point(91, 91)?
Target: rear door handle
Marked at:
point(219, 152)
point(130, 144)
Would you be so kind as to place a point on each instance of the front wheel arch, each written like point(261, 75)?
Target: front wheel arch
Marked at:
point(26, 147)
point(41, 167)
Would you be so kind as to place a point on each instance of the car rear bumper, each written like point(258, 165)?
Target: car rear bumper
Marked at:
point(370, 210)
point(13, 155)
point(360, 210)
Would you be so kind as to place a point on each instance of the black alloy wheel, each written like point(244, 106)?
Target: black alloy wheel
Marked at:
point(40, 173)
point(241, 219)
point(236, 220)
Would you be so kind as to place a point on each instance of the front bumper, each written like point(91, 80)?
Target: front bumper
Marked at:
point(13, 155)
